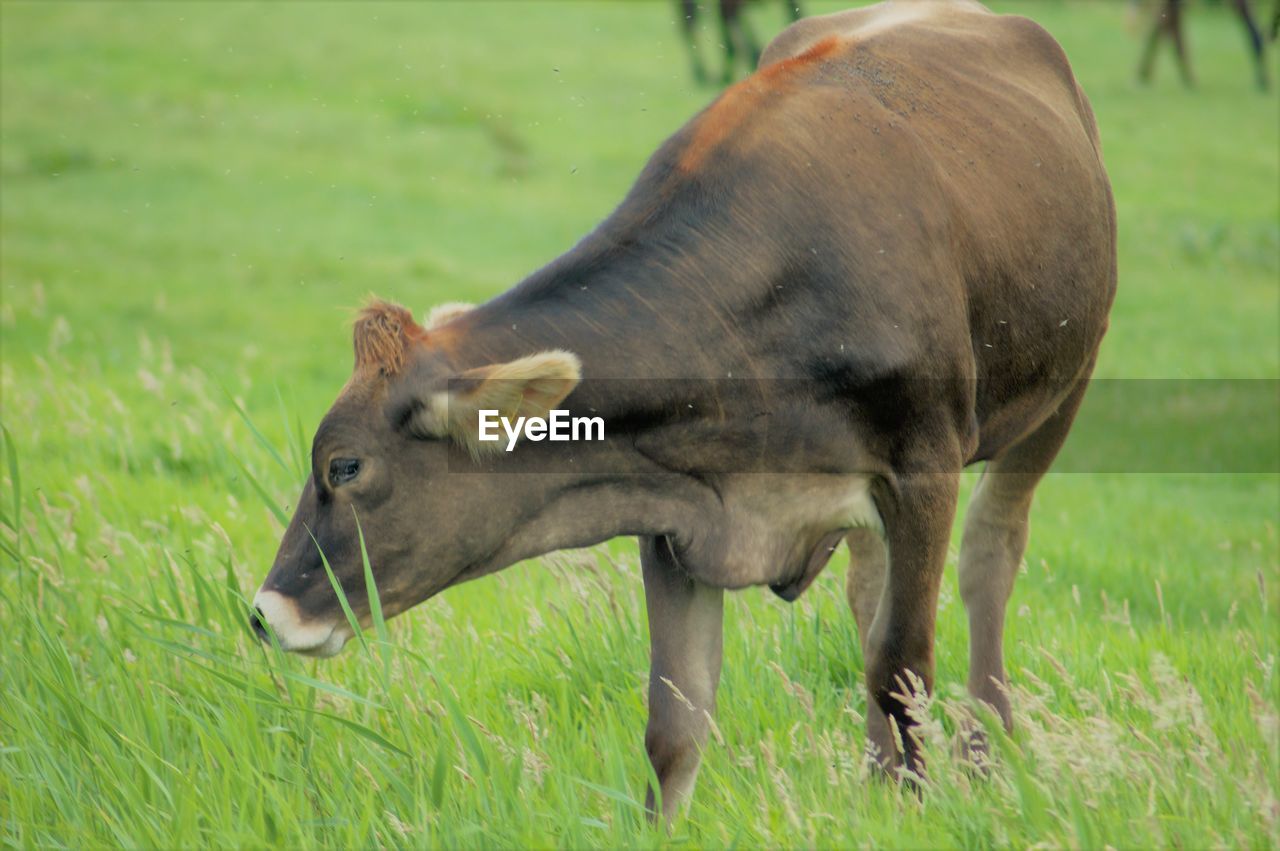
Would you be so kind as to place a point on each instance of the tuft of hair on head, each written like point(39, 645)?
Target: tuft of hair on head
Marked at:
point(381, 335)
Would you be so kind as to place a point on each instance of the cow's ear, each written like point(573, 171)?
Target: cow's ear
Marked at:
point(443, 314)
point(527, 387)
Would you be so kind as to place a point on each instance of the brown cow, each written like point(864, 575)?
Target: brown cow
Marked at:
point(887, 255)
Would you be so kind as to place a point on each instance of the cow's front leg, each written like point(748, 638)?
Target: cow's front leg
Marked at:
point(864, 587)
point(685, 639)
point(917, 522)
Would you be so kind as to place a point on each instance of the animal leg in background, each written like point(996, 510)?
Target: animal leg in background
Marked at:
point(1256, 43)
point(1167, 22)
point(736, 36)
point(735, 29)
point(689, 26)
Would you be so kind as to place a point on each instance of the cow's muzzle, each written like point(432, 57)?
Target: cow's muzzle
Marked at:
point(275, 613)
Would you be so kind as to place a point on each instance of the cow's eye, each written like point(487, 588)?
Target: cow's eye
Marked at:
point(343, 470)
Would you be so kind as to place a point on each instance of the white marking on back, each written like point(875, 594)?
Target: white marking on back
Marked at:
point(886, 17)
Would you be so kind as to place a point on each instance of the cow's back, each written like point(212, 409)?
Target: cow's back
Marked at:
point(937, 155)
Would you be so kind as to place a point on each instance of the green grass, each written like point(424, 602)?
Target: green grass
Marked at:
point(194, 198)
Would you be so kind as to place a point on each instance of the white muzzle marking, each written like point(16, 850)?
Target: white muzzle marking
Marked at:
point(295, 635)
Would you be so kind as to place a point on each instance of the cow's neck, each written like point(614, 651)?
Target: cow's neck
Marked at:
point(642, 319)
point(728, 530)
point(598, 508)
point(651, 300)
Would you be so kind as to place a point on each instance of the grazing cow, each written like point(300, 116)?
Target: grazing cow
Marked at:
point(887, 255)
point(736, 36)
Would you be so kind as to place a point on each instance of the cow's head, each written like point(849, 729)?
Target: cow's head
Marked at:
point(389, 465)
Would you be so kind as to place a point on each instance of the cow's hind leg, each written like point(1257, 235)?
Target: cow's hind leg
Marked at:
point(685, 636)
point(864, 586)
point(995, 537)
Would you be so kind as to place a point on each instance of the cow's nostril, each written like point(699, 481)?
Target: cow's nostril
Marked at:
point(258, 624)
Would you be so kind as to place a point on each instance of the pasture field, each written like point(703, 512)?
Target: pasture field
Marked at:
point(194, 198)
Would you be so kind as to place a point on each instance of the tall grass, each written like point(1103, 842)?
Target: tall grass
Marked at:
point(139, 709)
